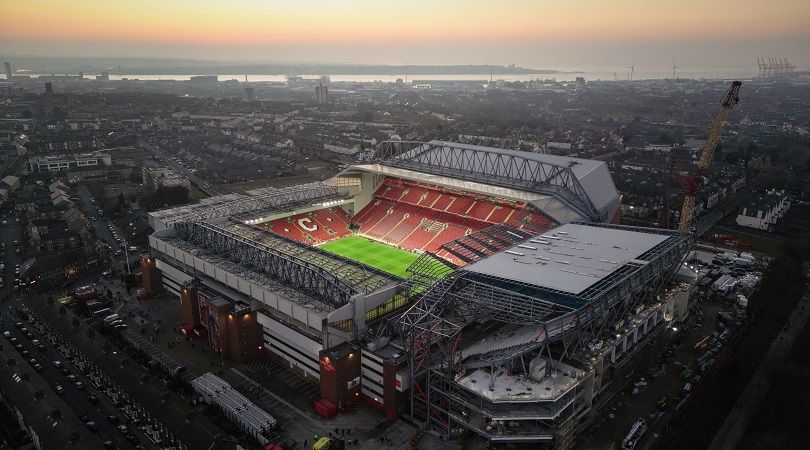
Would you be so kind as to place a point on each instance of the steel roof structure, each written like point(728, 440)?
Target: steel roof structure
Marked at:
point(582, 185)
point(330, 278)
point(431, 327)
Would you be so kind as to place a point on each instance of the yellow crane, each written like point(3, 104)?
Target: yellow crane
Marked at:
point(691, 184)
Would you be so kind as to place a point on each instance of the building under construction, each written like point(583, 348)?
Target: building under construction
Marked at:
point(518, 297)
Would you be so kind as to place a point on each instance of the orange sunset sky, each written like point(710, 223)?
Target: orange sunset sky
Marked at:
point(530, 33)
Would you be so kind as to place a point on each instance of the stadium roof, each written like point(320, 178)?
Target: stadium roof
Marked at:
point(569, 258)
point(582, 187)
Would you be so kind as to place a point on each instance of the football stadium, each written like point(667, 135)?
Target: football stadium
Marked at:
point(476, 291)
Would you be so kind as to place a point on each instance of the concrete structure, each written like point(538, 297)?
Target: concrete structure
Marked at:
point(587, 288)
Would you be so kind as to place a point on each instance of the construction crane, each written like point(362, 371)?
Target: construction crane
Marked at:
point(690, 184)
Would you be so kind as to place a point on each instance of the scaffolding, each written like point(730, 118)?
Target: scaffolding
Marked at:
point(564, 323)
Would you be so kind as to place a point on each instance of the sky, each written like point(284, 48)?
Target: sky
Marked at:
point(529, 33)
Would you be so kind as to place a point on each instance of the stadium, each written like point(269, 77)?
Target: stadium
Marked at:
point(476, 290)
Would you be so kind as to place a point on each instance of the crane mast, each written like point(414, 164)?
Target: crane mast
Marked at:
point(687, 211)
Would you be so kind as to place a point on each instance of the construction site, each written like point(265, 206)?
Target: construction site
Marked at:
point(481, 292)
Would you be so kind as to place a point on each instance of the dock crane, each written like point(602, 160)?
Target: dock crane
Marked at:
point(690, 184)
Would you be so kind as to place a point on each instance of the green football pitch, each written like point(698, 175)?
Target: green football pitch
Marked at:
point(375, 254)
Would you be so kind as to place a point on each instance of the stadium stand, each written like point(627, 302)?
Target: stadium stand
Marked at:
point(421, 217)
point(312, 227)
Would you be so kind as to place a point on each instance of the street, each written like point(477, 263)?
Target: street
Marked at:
point(75, 399)
point(199, 182)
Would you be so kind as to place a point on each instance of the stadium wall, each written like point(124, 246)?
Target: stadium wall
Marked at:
point(369, 183)
point(301, 352)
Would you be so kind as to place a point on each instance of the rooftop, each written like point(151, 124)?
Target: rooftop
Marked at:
point(569, 258)
point(503, 387)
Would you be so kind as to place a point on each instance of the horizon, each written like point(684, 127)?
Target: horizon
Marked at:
point(538, 35)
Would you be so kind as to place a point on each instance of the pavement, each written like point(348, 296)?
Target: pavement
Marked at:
point(733, 429)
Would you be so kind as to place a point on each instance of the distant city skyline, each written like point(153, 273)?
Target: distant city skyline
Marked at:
point(535, 34)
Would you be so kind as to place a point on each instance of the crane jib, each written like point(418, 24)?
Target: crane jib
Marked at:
point(729, 100)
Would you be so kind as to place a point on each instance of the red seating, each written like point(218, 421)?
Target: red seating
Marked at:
point(430, 198)
point(461, 205)
point(402, 230)
point(418, 216)
point(392, 192)
point(500, 214)
point(312, 227)
point(371, 214)
point(481, 210)
point(418, 238)
point(443, 202)
point(451, 233)
point(286, 229)
point(385, 224)
point(413, 195)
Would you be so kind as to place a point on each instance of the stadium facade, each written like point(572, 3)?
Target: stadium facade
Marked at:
point(516, 297)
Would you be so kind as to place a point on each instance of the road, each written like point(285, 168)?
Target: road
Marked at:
point(76, 400)
point(199, 182)
point(8, 234)
point(706, 222)
point(100, 223)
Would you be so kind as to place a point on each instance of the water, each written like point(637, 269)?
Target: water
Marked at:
point(608, 74)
